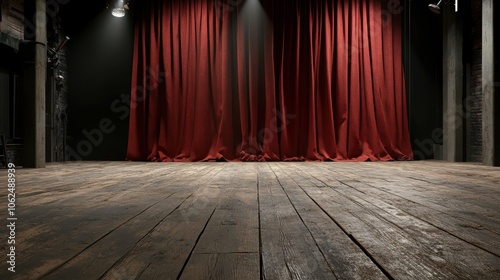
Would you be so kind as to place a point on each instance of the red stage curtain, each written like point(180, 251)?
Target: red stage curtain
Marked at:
point(268, 80)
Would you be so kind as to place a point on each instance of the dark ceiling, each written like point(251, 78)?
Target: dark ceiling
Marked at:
point(76, 14)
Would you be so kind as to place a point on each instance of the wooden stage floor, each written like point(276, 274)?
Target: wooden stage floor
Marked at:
point(129, 220)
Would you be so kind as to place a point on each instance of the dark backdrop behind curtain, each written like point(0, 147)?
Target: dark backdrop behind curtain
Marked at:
point(268, 80)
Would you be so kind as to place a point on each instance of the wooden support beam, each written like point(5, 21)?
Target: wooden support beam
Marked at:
point(453, 86)
point(35, 78)
point(490, 150)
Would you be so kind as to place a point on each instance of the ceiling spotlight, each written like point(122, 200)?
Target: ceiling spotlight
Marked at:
point(436, 8)
point(118, 9)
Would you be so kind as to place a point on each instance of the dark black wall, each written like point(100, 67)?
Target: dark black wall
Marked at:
point(423, 48)
point(10, 93)
point(5, 95)
point(99, 66)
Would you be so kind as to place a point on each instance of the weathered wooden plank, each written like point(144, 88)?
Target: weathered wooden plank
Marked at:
point(469, 231)
point(79, 220)
point(411, 236)
point(229, 246)
point(85, 178)
point(288, 249)
point(234, 227)
point(95, 260)
point(163, 253)
point(434, 243)
point(82, 224)
point(388, 246)
point(223, 266)
point(346, 259)
point(469, 177)
point(230, 231)
point(480, 208)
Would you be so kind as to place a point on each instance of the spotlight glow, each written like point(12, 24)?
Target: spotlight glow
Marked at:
point(117, 12)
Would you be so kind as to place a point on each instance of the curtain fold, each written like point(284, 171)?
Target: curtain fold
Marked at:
point(268, 80)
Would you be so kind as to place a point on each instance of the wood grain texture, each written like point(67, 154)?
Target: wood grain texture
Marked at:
point(346, 259)
point(309, 220)
point(222, 266)
point(288, 248)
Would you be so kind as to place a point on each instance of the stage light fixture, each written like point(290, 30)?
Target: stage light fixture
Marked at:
point(118, 9)
point(436, 8)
